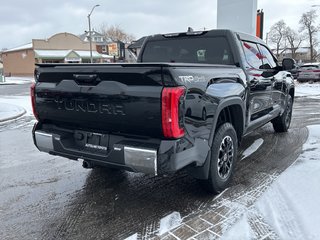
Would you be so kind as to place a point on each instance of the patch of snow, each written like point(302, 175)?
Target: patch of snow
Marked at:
point(306, 89)
point(253, 148)
point(21, 47)
point(132, 237)
point(169, 222)
point(241, 230)
point(21, 101)
point(17, 80)
point(291, 205)
point(9, 110)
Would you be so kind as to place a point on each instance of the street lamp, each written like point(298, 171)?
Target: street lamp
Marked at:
point(90, 40)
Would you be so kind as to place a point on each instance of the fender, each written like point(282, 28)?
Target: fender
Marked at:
point(237, 99)
point(229, 93)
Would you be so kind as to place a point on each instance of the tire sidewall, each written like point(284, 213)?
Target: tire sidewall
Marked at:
point(219, 184)
point(286, 112)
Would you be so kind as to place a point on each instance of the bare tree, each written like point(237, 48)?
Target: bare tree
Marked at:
point(277, 36)
point(294, 40)
point(307, 23)
point(115, 33)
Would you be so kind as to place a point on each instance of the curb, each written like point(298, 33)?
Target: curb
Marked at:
point(14, 116)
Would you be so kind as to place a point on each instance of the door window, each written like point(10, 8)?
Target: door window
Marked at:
point(253, 55)
point(267, 57)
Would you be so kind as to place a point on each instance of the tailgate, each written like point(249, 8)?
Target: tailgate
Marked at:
point(115, 99)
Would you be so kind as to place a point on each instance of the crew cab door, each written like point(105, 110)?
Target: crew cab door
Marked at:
point(260, 83)
point(278, 77)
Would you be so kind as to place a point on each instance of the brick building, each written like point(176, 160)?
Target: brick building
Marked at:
point(60, 48)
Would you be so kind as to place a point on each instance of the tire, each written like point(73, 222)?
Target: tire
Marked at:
point(223, 159)
point(282, 122)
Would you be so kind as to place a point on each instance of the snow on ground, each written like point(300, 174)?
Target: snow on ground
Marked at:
point(132, 237)
point(9, 110)
point(241, 230)
point(17, 80)
point(307, 89)
point(291, 205)
point(169, 222)
point(253, 148)
point(20, 101)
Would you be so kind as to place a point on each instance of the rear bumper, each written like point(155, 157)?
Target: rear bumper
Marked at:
point(309, 77)
point(151, 156)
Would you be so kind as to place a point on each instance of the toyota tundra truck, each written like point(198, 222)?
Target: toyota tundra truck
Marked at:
point(186, 104)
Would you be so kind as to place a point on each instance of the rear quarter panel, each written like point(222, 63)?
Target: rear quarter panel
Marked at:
point(207, 87)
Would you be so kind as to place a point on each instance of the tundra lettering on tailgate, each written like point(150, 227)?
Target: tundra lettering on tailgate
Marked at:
point(90, 107)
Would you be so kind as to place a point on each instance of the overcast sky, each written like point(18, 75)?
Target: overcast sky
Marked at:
point(24, 20)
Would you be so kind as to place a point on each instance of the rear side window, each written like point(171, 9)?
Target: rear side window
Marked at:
point(267, 58)
point(212, 50)
point(253, 55)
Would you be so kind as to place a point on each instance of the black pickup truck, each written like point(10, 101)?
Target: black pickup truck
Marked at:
point(187, 103)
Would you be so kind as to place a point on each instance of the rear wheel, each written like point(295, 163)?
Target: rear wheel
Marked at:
point(223, 158)
point(282, 122)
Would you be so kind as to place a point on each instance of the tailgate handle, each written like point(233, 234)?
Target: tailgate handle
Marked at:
point(85, 77)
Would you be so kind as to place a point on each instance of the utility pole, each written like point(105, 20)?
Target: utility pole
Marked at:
point(90, 40)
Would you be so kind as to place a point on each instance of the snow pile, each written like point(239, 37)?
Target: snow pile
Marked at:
point(17, 80)
point(7, 111)
point(307, 89)
point(291, 205)
point(17, 102)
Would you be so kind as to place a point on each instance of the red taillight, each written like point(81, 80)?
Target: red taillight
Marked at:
point(170, 111)
point(33, 100)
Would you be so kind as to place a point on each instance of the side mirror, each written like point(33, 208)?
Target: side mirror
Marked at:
point(288, 64)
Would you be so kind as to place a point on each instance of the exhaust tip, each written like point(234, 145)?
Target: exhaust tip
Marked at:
point(87, 164)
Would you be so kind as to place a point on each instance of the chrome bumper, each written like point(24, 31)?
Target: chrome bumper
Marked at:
point(141, 160)
point(137, 159)
point(44, 141)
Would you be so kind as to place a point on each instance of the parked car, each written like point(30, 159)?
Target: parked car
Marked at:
point(309, 72)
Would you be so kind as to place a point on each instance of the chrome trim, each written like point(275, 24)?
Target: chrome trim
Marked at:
point(141, 160)
point(44, 141)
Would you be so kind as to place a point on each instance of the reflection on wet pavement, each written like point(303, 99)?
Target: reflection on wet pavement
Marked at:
point(48, 197)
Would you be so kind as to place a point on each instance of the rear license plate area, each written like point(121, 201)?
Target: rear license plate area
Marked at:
point(92, 142)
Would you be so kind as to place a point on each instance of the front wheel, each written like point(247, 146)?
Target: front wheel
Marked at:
point(282, 122)
point(223, 158)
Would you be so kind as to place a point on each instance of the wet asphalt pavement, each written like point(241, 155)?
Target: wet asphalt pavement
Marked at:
point(48, 197)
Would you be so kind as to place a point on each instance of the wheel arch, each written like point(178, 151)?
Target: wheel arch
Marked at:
point(232, 111)
point(232, 108)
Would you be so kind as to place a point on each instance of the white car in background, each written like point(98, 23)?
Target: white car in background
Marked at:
point(309, 72)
